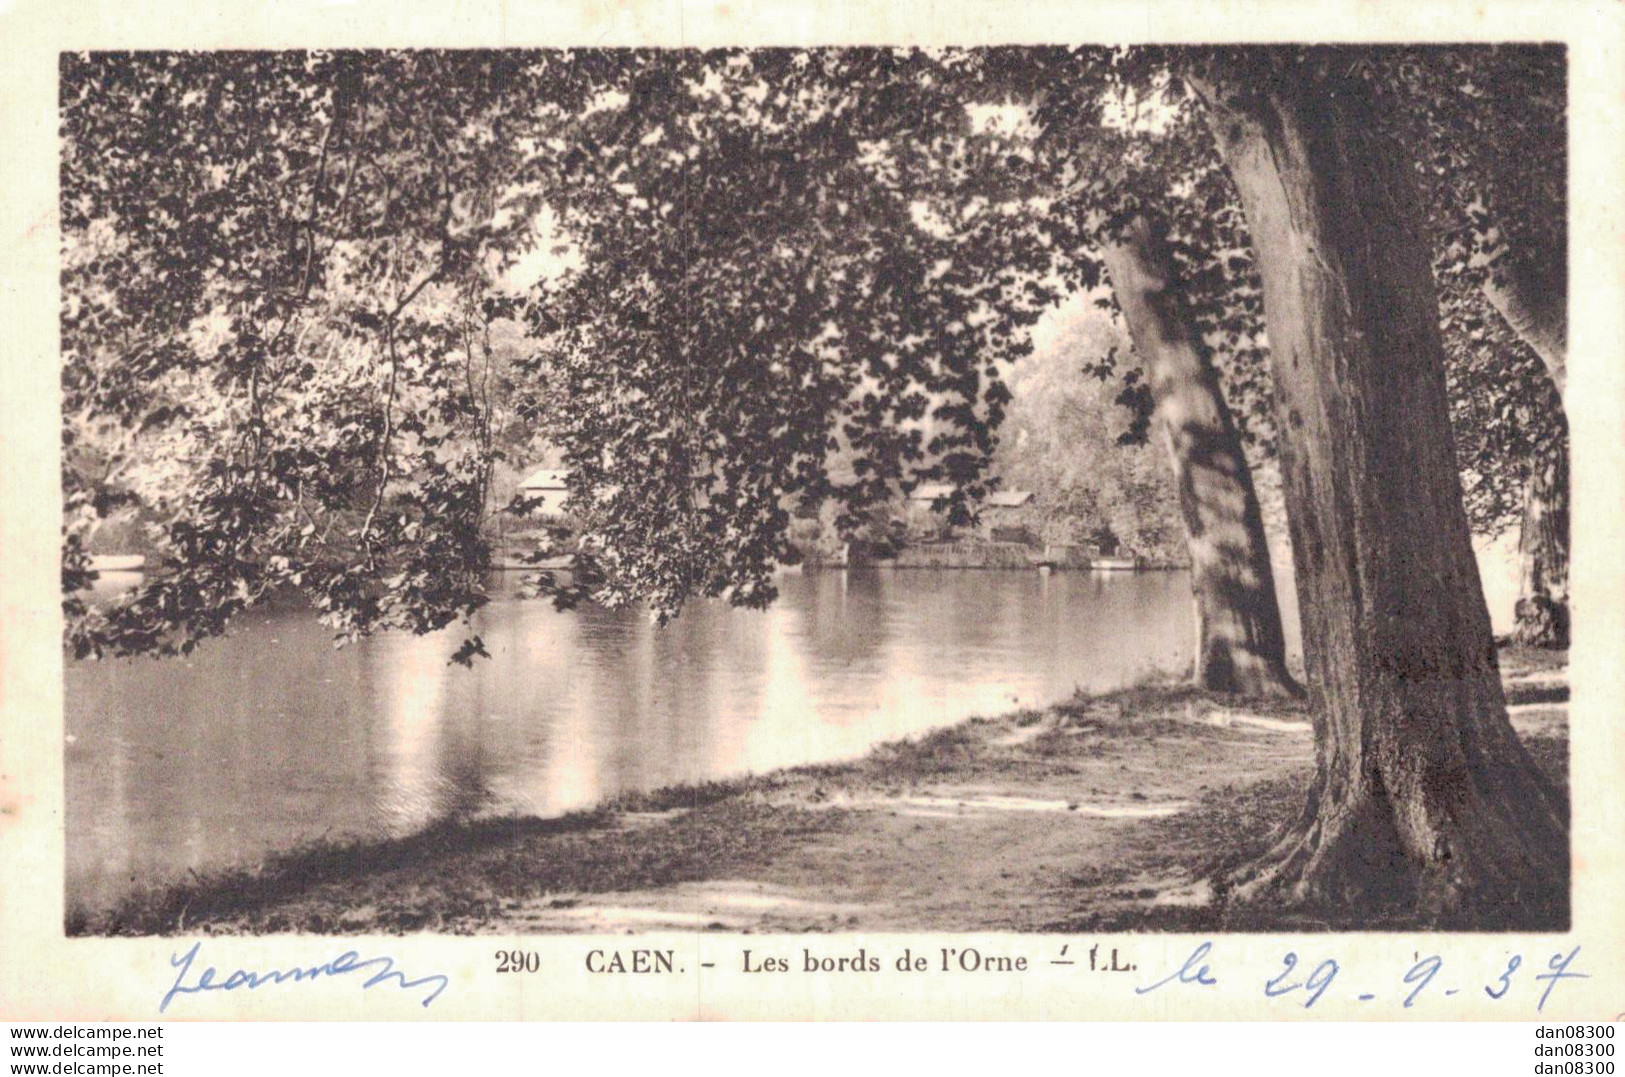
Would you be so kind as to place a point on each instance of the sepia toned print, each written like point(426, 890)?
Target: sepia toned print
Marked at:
point(862, 489)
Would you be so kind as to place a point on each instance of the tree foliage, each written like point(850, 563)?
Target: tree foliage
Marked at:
point(783, 267)
point(1064, 441)
point(778, 278)
point(781, 256)
point(278, 291)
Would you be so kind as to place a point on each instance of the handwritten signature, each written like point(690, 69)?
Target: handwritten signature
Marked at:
point(383, 971)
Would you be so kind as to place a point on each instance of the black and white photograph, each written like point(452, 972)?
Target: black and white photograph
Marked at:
point(838, 489)
point(803, 519)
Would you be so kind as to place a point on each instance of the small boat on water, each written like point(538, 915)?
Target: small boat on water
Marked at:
point(1115, 564)
point(117, 562)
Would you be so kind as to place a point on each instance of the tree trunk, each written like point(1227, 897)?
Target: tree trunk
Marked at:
point(1424, 799)
point(1532, 295)
point(1542, 611)
point(1533, 298)
point(1240, 646)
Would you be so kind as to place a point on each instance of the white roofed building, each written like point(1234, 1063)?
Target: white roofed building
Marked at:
point(1002, 509)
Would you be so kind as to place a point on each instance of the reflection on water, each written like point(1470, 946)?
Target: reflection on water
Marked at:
point(272, 738)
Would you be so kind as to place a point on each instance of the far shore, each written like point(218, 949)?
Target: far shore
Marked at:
point(1105, 812)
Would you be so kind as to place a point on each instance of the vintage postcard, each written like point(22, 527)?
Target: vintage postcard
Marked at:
point(944, 511)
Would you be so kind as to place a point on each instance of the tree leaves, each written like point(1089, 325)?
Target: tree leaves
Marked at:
point(750, 282)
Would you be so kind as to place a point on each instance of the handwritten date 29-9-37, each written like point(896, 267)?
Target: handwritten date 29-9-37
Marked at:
point(1306, 979)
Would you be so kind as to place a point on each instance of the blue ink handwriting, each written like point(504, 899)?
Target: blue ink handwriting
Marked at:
point(347, 962)
point(1559, 964)
point(1193, 971)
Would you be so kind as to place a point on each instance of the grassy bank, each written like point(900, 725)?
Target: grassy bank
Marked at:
point(1104, 812)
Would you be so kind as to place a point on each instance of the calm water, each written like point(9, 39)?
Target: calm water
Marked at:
point(271, 738)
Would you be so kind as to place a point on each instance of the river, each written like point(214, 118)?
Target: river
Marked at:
point(271, 738)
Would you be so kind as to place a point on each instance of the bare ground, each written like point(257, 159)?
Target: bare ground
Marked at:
point(1104, 812)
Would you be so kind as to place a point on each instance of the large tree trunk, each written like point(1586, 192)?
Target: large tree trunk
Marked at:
point(1542, 611)
point(1240, 646)
point(1424, 798)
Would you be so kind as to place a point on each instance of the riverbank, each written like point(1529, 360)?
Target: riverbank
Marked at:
point(992, 556)
point(1101, 813)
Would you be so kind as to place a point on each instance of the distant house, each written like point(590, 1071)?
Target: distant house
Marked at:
point(1008, 499)
point(1007, 516)
point(548, 487)
point(1004, 511)
point(928, 493)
